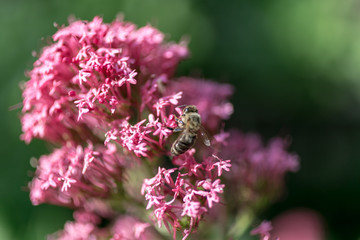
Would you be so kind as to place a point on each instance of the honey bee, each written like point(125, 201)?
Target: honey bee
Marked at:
point(189, 123)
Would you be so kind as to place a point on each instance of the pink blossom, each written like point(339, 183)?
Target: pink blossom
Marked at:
point(192, 208)
point(84, 216)
point(211, 190)
point(86, 227)
point(105, 97)
point(89, 72)
point(187, 196)
point(76, 231)
point(139, 138)
point(257, 169)
point(222, 165)
point(263, 230)
point(67, 177)
point(166, 101)
point(130, 228)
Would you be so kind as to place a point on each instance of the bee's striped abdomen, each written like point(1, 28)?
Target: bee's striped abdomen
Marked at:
point(185, 141)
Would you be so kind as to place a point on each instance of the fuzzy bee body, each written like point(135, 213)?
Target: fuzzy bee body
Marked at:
point(184, 142)
point(189, 123)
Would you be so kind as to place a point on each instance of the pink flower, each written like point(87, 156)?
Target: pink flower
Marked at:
point(257, 170)
point(139, 138)
point(130, 228)
point(68, 177)
point(76, 231)
point(212, 191)
point(222, 165)
point(84, 216)
point(166, 101)
point(105, 97)
point(192, 208)
point(86, 78)
point(263, 230)
point(86, 227)
point(187, 196)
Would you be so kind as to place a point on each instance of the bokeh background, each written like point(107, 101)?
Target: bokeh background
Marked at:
point(295, 65)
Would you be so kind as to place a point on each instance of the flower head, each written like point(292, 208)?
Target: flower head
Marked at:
point(194, 191)
point(88, 76)
point(105, 94)
point(71, 175)
point(257, 170)
point(127, 227)
point(123, 228)
point(105, 97)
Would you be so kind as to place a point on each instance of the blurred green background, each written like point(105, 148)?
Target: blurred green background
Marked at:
point(295, 65)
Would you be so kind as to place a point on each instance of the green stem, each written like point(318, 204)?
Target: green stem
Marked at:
point(242, 222)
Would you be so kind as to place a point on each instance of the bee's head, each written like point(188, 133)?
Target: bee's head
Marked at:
point(189, 109)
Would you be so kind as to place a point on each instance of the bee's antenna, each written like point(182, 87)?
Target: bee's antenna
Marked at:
point(16, 106)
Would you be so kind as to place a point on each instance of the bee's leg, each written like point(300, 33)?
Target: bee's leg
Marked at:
point(178, 129)
point(178, 120)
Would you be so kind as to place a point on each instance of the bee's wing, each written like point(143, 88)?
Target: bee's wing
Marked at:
point(204, 136)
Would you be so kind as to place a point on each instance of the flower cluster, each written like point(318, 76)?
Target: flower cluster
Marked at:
point(104, 96)
point(123, 228)
point(71, 175)
point(257, 170)
point(183, 202)
point(99, 71)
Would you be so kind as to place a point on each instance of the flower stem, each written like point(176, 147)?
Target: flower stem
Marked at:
point(242, 222)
